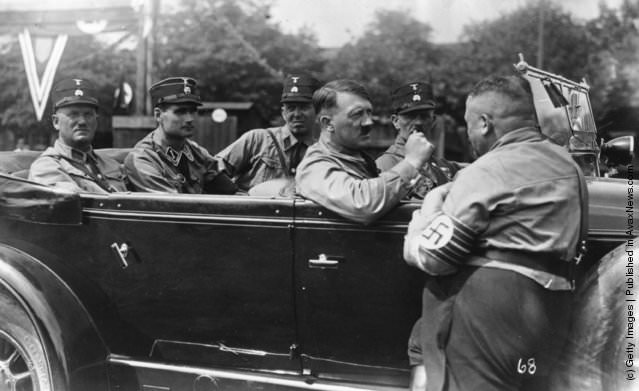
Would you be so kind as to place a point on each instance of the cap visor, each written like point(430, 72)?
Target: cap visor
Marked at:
point(425, 106)
point(299, 99)
point(88, 102)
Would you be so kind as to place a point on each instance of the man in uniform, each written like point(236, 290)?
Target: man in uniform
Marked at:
point(414, 111)
point(337, 174)
point(71, 163)
point(499, 242)
point(260, 155)
point(166, 160)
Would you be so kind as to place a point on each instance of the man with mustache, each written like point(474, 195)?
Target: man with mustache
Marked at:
point(336, 172)
point(414, 111)
point(71, 163)
point(261, 155)
point(166, 160)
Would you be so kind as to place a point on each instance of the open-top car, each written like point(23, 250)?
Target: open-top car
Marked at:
point(141, 291)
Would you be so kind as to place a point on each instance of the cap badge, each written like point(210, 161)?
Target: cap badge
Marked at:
point(187, 90)
point(294, 89)
point(78, 93)
point(416, 98)
point(77, 81)
point(414, 86)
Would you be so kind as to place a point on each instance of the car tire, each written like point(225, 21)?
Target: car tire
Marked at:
point(23, 359)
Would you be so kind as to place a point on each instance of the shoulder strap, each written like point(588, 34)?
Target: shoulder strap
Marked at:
point(279, 153)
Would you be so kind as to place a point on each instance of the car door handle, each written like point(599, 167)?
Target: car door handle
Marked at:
point(324, 262)
point(121, 252)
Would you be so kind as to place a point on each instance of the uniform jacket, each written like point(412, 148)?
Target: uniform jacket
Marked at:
point(69, 168)
point(436, 172)
point(154, 166)
point(522, 195)
point(348, 182)
point(253, 158)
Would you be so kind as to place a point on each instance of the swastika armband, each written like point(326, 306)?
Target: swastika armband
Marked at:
point(444, 245)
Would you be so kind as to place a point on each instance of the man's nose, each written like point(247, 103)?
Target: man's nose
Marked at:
point(189, 117)
point(368, 120)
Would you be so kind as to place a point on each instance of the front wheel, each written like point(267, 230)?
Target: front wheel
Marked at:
point(23, 361)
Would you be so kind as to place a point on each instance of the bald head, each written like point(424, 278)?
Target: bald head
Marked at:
point(496, 106)
point(507, 100)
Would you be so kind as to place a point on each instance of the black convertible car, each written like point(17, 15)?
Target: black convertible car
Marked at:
point(137, 291)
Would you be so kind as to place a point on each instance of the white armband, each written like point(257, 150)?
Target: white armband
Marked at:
point(443, 245)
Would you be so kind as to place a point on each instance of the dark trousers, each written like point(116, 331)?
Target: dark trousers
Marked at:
point(486, 329)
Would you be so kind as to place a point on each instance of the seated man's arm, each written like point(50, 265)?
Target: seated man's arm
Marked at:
point(236, 157)
point(359, 199)
point(145, 174)
point(48, 171)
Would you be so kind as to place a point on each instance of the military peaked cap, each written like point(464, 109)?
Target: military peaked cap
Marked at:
point(299, 88)
point(69, 92)
point(175, 90)
point(413, 96)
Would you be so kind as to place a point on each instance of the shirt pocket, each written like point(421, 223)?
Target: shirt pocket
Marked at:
point(268, 168)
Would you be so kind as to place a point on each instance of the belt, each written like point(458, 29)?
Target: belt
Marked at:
point(545, 262)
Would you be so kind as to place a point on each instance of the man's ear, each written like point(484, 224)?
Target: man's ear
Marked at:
point(156, 113)
point(487, 124)
point(282, 113)
point(395, 121)
point(55, 120)
point(325, 123)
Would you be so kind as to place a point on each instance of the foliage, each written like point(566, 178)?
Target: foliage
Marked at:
point(234, 50)
point(394, 50)
point(84, 57)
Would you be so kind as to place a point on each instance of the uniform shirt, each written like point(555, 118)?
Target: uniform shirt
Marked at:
point(253, 158)
point(154, 166)
point(69, 168)
point(348, 183)
point(521, 195)
point(436, 172)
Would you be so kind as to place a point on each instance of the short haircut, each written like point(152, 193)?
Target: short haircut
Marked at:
point(326, 97)
point(515, 88)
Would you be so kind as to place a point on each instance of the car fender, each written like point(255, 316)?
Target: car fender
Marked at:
point(595, 356)
point(70, 337)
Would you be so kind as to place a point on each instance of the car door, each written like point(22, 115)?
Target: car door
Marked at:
point(205, 279)
point(357, 299)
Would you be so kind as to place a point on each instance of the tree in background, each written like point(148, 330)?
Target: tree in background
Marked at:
point(234, 50)
point(394, 49)
point(84, 57)
point(613, 64)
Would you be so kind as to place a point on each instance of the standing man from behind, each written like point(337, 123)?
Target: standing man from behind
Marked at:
point(499, 243)
point(166, 160)
point(414, 111)
point(336, 172)
point(260, 155)
point(71, 163)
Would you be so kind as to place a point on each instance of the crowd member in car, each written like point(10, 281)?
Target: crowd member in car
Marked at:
point(71, 163)
point(414, 111)
point(260, 155)
point(166, 160)
point(336, 172)
point(499, 242)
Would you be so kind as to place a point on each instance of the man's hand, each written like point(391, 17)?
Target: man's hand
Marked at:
point(435, 199)
point(418, 149)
